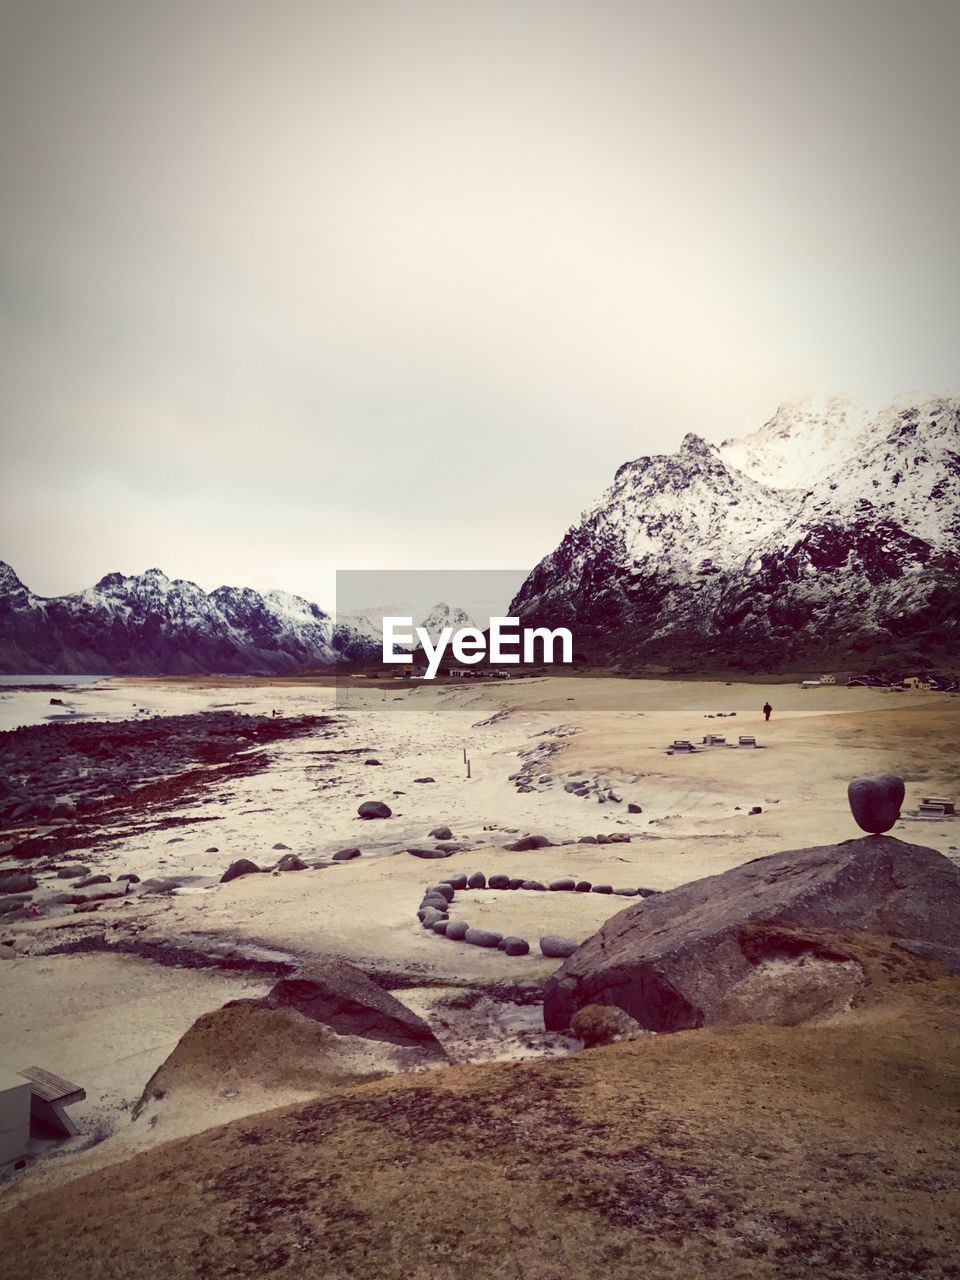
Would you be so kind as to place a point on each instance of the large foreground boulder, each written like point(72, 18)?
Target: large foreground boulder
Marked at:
point(696, 956)
point(345, 999)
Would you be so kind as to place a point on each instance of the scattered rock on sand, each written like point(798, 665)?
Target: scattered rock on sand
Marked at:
point(374, 809)
point(875, 802)
point(73, 872)
point(131, 877)
point(634, 808)
point(424, 779)
point(290, 862)
point(242, 867)
point(441, 833)
point(346, 855)
point(163, 884)
point(89, 880)
point(703, 953)
point(529, 842)
point(280, 845)
point(18, 882)
point(430, 853)
point(557, 948)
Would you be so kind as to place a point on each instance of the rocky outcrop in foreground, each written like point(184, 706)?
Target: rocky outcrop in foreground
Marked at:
point(350, 1003)
point(696, 956)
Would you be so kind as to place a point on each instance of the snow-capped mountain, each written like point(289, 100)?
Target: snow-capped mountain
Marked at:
point(150, 624)
point(444, 615)
point(366, 626)
point(828, 533)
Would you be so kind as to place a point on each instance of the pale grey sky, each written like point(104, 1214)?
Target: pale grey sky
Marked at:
point(295, 287)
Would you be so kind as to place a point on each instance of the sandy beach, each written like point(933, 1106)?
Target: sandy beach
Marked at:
point(79, 995)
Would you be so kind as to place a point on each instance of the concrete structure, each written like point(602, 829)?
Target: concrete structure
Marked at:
point(15, 1095)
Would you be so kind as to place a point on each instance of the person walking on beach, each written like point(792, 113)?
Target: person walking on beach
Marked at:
point(766, 710)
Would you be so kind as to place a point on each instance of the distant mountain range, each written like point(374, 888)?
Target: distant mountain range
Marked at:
point(829, 534)
point(149, 624)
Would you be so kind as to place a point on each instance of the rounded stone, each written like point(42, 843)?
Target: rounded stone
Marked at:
point(533, 884)
point(477, 881)
point(445, 890)
point(625, 893)
point(602, 888)
point(583, 886)
point(557, 948)
point(498, 882)
point(441, 833)
point(457, 930)
point(516, 882)
point(564, 885)
point(455, 882)
point(482, 938)
point(440, 926)
point(345, 855)
point(516, 946)
point(436, 900)
point(875, 802)
point(374, 809)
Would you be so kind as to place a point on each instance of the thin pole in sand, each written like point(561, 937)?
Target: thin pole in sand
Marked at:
point(468, 768)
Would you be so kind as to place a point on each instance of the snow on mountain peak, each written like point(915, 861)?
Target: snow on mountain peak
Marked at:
point(829, 519)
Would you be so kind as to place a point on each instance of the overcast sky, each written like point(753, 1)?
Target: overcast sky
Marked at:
point(301, 286)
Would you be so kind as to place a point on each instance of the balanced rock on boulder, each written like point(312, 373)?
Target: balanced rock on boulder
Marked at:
point(875, 802)
point(731, 948)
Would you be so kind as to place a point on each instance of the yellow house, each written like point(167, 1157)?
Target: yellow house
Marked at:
point(916, 682)
point(828, 679)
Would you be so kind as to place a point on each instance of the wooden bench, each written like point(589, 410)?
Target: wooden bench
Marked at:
point(49, 1095)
